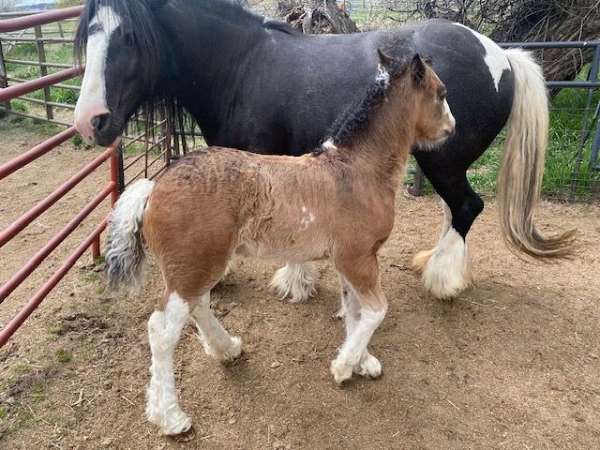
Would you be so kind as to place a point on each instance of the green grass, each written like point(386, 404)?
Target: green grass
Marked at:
point(564, 142)
point(55, 53)
point(64, 356)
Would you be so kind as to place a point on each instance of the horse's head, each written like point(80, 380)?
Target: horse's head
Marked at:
point(123, 56)
point(434, 120)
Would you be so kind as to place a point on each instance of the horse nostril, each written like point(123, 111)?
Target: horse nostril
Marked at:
point(100, 122)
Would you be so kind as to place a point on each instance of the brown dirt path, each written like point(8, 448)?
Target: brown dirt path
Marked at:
point(513, 363)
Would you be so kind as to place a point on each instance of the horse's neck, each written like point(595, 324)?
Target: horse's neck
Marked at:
point(208, 60)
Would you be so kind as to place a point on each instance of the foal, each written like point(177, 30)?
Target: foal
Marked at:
point(336, 203)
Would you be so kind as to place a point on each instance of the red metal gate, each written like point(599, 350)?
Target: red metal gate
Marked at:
point(111, 188)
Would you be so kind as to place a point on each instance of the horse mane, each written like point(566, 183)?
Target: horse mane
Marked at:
point(138, 19)
point(355, 119)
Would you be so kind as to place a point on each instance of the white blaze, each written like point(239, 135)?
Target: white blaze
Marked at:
point(92, 98)
point(495, 58)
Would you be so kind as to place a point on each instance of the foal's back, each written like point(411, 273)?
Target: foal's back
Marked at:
point(217, 201)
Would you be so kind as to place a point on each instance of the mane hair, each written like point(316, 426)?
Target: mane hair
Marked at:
point(356, 118)
point(138, 19)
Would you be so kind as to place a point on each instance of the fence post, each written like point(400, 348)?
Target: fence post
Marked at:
point(3, 80)
point(417, 188)
point(586, 126)
point(43, 69)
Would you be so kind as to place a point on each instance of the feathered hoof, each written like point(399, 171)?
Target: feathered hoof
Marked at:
point(421, 259)
point(341, 371)
point(295, 281)
point(369, 367)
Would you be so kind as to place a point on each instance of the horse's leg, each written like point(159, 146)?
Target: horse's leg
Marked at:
point(364, 311)
point(217, 342)
point(368, 366)
point(446, 269)
point(164, 330)
point(296, 281)
point(420, 260)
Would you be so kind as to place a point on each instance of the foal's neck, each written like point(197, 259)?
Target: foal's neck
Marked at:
point(383, 148)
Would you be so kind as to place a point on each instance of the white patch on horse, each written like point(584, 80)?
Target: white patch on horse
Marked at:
point(307, 218)
point(495, 58)
point(328, 145)
point(355, 345)
point(164, 331)
point(92, 99)
point(382, 76)
point(448, 270)
point(449, 114)
point(296, 281)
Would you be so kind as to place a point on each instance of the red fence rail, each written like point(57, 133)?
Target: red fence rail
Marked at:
point(6, 169)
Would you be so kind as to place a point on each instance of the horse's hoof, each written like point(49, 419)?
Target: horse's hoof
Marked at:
point(340, 371)
point(369, 367)
point(234, 351)
point(294, 281)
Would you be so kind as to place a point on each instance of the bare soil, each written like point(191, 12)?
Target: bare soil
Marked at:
point(513, 363)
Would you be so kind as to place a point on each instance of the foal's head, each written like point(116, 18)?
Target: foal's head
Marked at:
point(433, 119)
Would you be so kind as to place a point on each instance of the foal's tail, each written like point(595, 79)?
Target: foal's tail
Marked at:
point(520, 178)
point(125, 248)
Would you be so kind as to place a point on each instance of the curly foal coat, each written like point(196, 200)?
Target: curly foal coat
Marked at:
point(336, 203)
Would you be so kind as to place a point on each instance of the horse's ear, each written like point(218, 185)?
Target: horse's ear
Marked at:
point(417, 68)
point(384, 59)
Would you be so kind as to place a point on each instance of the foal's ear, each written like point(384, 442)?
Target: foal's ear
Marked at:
point(384, 59)
point(418, 68)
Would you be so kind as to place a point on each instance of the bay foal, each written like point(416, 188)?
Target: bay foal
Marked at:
point(337, 203)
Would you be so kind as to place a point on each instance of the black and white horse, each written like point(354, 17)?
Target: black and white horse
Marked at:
point(255, 84)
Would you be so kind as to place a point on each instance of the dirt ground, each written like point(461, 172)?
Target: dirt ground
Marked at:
point(513, 363)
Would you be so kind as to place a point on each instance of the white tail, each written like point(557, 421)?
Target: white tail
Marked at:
point(125, 248)
point(520, 178)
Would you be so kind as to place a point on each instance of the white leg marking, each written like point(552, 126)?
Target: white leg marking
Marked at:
point(296, 281)
point(92, 98)
point(495, 58)
point(361, 323)
point(217, 342)
point(368, 366)
point(164, 330)
point(447, 272)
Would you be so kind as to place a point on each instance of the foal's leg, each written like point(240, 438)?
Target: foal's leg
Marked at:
point(368, 366)
point(366, 311)
point(217, 342)
point(164, 330)
point(296, 281)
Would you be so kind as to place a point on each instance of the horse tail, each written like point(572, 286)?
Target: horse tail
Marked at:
point(125, 247)
point(520, 178)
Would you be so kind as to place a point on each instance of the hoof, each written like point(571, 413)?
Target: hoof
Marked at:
point(176, 422)
point(181, 425)
point(294, 281)
point(447, 269)
point(340, 371)
point(235, 350)
point(369, 367)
